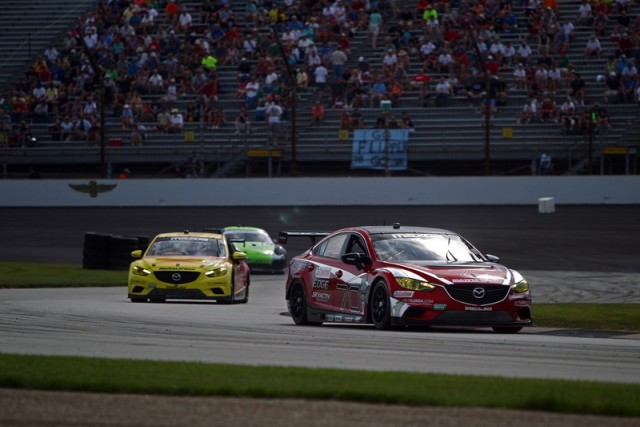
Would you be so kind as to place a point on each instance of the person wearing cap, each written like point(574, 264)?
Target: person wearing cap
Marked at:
point(176, 121)
point(126, 118)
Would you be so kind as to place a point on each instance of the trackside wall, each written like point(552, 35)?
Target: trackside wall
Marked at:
point(320, 191)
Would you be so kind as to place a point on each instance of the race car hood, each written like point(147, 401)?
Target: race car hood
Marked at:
point(472, 273)
point(258, 247)
point(256, 251)
point(182, 262)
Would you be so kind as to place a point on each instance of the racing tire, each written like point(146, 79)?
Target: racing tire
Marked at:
point(380, 307)
point(231, 299)
point(507, 329)
point(246, 296)
point(298, 305)
point(138, 299)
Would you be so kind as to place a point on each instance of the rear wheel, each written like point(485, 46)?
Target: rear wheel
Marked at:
point(380, 307)
point(507, 329)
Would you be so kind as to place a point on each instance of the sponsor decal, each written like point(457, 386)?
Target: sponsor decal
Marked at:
point(321, 296)
point(321, 284)
point(190, 239)
point(518, 296)
point(439, 307)
point(403, 294)
point(323, 273)
point(466, 280)
point(419, 301)
point(478, 308)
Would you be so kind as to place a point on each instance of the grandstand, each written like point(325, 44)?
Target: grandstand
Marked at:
point(456, 137)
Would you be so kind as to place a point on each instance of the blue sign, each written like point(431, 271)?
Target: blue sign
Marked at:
point(380, 149)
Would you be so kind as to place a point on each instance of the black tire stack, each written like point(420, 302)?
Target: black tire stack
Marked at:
point(110, 252)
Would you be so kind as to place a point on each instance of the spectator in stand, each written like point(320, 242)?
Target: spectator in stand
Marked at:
point(545, 164)
point(345, 120)
point(251, 91)
point(242, 122)
point(163, 120)
point(379, 92)
point(302, 79)
point(176, 121)
point(218, 119)
point(592, 48)
point(577, 88)
point(523, 54)
point(406, 122)
point(375, 24)
point(81, 128)
point(569, 120)
point(320, 76)
point(548, 110)
point(443, 92)
point(274, 114)
point(520, 77)
point(67, 127)
point(126, 118)
point(600, 23)
point(612, 87)
point(585, 13)
point(529, 111)
point(317, 113)
point(55, 131)
point(338, 59)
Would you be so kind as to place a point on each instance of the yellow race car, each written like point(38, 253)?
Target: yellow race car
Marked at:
point(189, 265)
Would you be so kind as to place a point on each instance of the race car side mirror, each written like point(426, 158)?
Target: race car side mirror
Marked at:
point(238, 256)
point(357, 259)
point(492, 258)
point(136, 254)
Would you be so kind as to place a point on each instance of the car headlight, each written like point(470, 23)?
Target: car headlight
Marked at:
point(216, 272)
point(279, 250)
point(140, 271)
point(521, 286)
point(415, 285)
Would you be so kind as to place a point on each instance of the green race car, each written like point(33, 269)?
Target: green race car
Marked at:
point(263, 254)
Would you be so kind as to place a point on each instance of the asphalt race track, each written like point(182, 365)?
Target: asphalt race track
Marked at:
point(578, 254)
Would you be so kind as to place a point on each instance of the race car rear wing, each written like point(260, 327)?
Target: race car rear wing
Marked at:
point(283, 236)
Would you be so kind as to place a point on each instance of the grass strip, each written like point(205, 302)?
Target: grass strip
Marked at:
point(46, 275)
point(592, 316)
point(201, 379)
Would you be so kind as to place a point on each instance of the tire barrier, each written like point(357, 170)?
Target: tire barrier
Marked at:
point(110, 252)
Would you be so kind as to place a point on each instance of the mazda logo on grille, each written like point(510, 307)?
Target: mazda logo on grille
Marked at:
point(177, 276)
point(478, 292)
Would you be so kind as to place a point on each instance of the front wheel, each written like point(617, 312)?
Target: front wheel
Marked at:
point(298, 306)
point(246, 295)
point(380, 307)
point(507, 329)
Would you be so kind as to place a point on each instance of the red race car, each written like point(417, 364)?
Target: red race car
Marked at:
point(398, 275)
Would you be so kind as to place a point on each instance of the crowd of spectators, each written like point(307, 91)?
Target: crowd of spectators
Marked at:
point(147, 55)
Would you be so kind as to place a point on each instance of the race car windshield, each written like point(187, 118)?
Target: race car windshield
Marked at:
point(445, 248)
point(187, 246)
point(249, 236)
